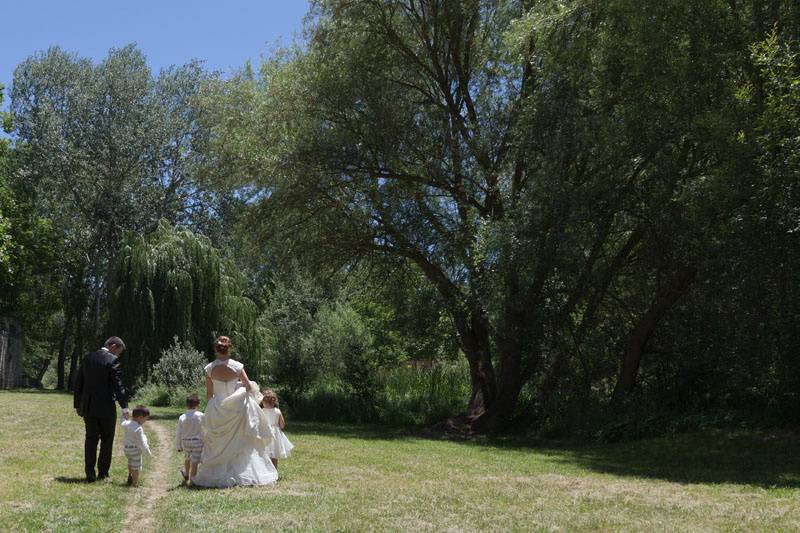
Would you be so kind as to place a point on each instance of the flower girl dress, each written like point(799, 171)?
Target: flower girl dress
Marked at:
point(280, 448)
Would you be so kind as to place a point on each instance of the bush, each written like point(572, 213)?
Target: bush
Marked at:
point(403, 396)
point(178, 373)
point(153, 395)
point(340, 333)
point(287, 321)
point(180, 366)
point(424, 395)
point(159, 395)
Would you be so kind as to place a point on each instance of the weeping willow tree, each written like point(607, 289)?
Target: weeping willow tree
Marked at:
point(172, 284)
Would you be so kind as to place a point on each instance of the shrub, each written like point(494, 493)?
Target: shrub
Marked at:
point(403, 396)
point(180, 366)
point(340, 334)
point(178, 373)
point(153, 395)
point(159, 395)
point(287, 320)
point(424, 395)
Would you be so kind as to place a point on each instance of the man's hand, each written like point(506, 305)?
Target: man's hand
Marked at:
point(126, 413)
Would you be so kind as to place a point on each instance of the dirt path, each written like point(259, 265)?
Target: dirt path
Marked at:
point(153, 484)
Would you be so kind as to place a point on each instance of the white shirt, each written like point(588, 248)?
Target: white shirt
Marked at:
point(134, 436)
point(190, 425)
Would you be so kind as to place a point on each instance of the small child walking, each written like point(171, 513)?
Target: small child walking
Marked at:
point(189, 437)
point(135, 442)
point(280, 448)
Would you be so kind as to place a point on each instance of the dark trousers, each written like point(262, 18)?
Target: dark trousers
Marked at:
point(98, 429)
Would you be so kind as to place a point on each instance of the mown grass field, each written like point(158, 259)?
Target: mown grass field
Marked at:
point(357, 478)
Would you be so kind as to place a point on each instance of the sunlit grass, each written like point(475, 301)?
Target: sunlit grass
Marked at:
point(41, 469)
point(368, 478)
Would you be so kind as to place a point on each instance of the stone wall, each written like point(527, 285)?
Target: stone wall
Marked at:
point(10, 353)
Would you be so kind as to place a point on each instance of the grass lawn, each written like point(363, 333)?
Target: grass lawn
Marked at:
point(362, 478)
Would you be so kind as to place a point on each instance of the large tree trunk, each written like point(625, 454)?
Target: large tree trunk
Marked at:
point(41, 371)
point(644, 328)
point(472, 326)
point(62, 354)
point(76, 352)
point(498, 414)
point(519, 356)
point(476, 345)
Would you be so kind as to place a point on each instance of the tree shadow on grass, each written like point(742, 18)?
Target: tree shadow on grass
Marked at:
point(740, 459)
point(763, 460)
point(163, 416)
point(38, 391)
point(347, 431)
point(70, 480)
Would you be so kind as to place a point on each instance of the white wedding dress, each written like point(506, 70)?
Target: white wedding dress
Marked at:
point(236, 436)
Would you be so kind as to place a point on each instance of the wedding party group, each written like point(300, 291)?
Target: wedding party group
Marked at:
point(238, 440)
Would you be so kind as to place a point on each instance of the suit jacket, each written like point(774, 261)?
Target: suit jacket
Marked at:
point(99, 381)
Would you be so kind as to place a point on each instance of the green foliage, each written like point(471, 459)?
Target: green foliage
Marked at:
point(152, 394)
point(778, 130)
point(28, 248)
point(160, 395)
point(586, 186)
point(172, 285)
point(340, 334)
point(102, 150)
point(586, 211)
point(423, 396)
point(288, 319)
point(180, 365)
point(402, 395)
point(520, 156)
point(405, 314)
point(28, 253)
point(178, 373)
point(339, 348)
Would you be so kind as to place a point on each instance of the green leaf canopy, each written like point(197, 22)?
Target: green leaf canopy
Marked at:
point(174, 283)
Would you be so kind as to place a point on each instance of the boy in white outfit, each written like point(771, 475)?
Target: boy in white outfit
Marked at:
point(189, 437)
point(136, 442)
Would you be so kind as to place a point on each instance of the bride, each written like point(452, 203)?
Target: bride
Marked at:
point(237, 431)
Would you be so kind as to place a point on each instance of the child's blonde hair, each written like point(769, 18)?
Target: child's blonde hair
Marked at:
point(269, 394)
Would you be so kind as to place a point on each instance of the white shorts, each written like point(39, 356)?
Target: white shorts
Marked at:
point(193, 448)
point(134, 455)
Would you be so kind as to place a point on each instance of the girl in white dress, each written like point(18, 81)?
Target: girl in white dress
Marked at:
point(236, 431)
point(280, 447)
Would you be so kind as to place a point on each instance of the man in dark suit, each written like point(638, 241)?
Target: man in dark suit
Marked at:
point(99, 381)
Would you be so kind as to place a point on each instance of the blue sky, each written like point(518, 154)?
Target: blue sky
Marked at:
point(223, 33)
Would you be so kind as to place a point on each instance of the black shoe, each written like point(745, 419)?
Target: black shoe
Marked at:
point(90, 480)
point(130, 480)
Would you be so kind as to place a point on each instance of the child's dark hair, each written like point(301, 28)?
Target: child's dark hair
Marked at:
point(140, 410)
point(192, 401)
